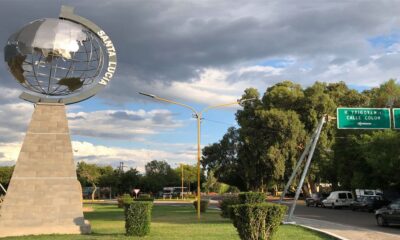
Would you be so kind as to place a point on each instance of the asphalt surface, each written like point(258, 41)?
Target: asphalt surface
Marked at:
point(344, 216)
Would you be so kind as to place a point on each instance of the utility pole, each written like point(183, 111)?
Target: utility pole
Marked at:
point(309, 152)
point(182, 180)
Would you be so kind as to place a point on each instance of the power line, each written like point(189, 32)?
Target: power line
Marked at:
point(220, 122)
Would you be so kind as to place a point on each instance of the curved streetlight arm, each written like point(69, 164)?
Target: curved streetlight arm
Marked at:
point(177, 103)
point(226, 104)
point(168, 101)
point(218, 106)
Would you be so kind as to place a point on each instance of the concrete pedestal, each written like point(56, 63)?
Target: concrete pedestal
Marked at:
point(44, 195)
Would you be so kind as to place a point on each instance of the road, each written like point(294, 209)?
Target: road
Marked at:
point(343, 216)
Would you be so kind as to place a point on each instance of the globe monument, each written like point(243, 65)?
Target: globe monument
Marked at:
point(58, 62)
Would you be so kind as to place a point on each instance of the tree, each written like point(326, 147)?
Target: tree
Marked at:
point(189, 175)
point(129, 180)
point(387, 95)
point(158, 175)
point(222, 159)
point(89, 173)
point(5, 175)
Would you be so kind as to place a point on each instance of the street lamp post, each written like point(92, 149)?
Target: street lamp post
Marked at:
point(198, 115)
point(182, 180)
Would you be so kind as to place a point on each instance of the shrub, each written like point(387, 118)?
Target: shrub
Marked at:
point(203, 205)
point(257, 221)
point(252, 197)
point(144, 200)
point(144, 196)
point(225, 205)
point(189, 195)
point(124, 199)
point(138, 218)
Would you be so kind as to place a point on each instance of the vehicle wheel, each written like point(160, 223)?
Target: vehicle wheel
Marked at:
point(333, 206)
point(353, 208)
point(381, 221)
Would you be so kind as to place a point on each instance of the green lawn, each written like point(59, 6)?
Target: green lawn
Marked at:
point(170, 222)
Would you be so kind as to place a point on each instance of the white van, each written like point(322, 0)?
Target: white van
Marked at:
point(338, 199)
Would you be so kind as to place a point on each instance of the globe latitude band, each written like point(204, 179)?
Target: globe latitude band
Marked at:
point(68, 14)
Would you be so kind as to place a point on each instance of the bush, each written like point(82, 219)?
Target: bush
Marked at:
point(138, 218)
point(203, 205)
point(225, 205)
point(252, 197)
point(124, 199)
point(189, 195)
point(144, 196)
point(257, 221)
point(144, 200)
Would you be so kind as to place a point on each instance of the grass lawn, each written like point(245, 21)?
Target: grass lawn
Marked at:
point(171, 222)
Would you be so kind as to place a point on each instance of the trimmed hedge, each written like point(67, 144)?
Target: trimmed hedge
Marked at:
point(225, 205)
point(124, 199)
point(144, 200)
point(144, 196)
point(138, 218)
point(203, 205)
point(252, 197)
point(257, 221)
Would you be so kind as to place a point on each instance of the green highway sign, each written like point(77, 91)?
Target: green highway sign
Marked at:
point(396, 118)
point(364, 118)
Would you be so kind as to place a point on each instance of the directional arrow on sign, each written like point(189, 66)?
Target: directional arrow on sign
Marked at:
point(364, 124)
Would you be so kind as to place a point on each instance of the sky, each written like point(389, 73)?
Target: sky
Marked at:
point(200, 53)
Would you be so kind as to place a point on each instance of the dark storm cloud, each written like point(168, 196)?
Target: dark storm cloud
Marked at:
point(167, 41)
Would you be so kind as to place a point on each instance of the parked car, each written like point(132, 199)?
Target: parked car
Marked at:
point(389, 214)
point(369, 203)
point(338, 199)
point(316, 199)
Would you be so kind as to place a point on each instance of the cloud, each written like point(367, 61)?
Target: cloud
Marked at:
point(163, 44)
point(122, 124)
point(103, 155)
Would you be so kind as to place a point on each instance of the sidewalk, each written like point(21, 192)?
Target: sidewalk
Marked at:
point(343, 231)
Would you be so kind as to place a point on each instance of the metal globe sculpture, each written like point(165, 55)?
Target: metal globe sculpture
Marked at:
point(54, 57)
point(60, 60)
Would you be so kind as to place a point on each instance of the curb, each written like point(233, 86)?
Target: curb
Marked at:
point(333, 234)
point(324, 232)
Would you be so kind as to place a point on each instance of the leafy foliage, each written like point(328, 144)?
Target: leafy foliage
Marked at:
point(125, 199)
point(203, 205)
point(138, 218)
point(225, 205)
point(5, 176)
point(257, 221)
point(261, 153)
point(252, 197)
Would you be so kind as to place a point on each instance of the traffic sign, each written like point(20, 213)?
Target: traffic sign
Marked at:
point(364, 118)
point(396, 118)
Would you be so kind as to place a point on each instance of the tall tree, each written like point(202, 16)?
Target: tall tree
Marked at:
point(89, 173)
point(159, 174)
point(5, 176)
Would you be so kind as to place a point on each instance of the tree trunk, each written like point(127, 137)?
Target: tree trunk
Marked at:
point(94, 191)
point(313, 186)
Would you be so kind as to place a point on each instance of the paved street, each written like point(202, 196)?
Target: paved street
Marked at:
point(343, 216)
